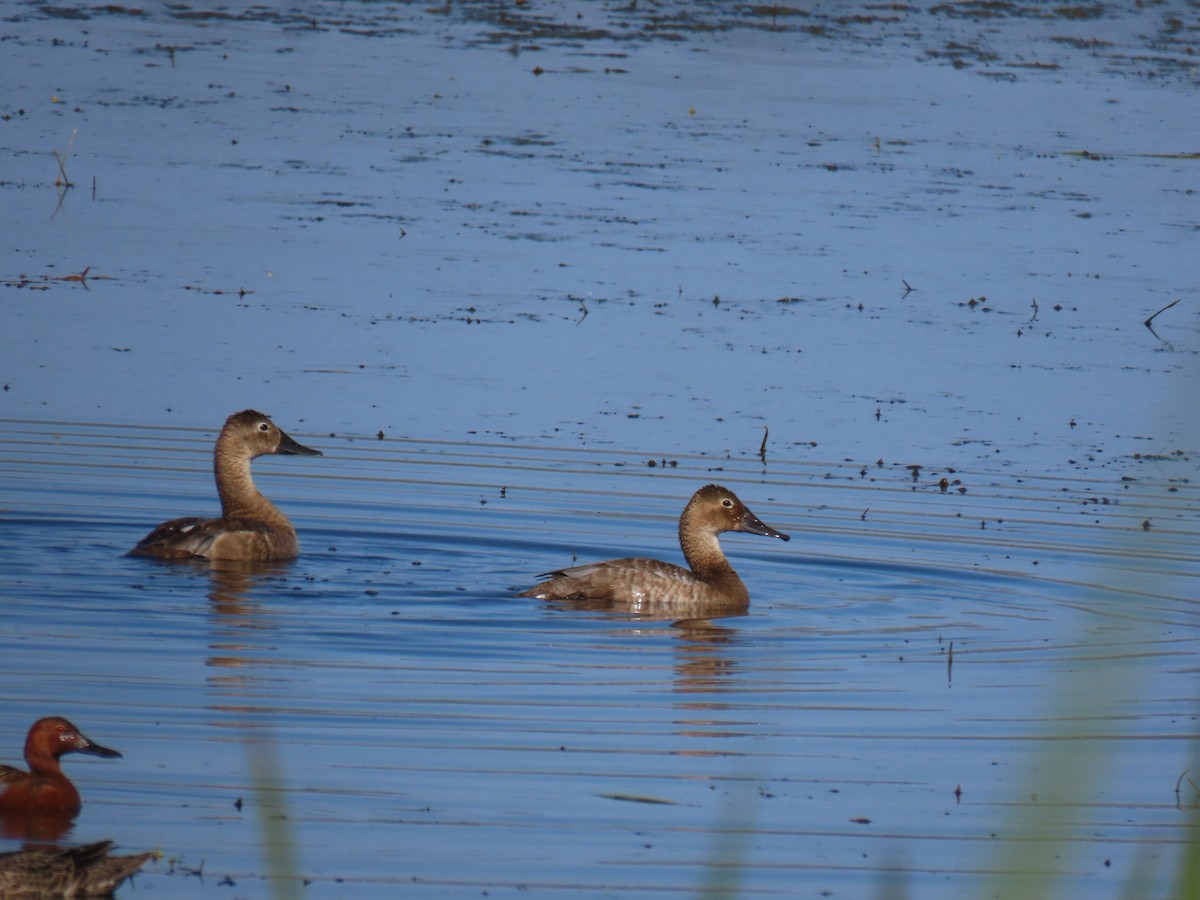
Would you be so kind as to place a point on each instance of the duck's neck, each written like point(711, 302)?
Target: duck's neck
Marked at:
point(240, 499)
point(45, 765)
point(703, 552)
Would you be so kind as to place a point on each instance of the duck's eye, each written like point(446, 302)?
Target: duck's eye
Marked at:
point(264, 427)
point(727, 503)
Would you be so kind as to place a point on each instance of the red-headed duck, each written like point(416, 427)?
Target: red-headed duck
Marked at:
point(640, 584)
point(251, 527)
point(44, 788)
point(66, 872)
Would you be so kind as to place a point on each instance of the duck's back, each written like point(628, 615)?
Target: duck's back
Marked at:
point(229, 539)
point(640, 582)
point(10, 779)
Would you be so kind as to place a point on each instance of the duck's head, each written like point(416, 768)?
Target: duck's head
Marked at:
point(721, 510)
point(54, 736)
point(260, 436)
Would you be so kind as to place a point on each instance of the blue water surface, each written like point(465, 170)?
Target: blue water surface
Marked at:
point(529, 276)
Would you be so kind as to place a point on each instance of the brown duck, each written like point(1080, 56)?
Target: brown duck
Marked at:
point(644, 585)
point(251, 527)
point(66, 872)
point(45, 788)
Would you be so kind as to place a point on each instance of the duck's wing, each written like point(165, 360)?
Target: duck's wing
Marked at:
point(177, 539)
point(630, 580)
point(193, 537)
point(246, 540)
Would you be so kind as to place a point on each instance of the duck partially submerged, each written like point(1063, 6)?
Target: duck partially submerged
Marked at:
point(45, 789)
point(66, 872)
point(639, 584)
point(251, 527)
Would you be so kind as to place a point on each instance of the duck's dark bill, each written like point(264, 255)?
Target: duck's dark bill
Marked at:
point(289, 447)
point(94, 749)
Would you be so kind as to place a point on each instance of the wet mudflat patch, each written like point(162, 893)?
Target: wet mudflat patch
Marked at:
point(529, 275)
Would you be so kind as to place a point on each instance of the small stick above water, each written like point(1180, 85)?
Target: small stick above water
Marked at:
point(762, 448)
point(61, 158)
point(1163, 310)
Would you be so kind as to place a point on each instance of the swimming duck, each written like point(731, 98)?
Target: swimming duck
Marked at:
point(66, 872)
point(642, 584)
point(251, 527)
point(44, 788)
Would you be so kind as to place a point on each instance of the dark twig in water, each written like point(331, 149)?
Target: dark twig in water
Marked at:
point(583, 306)
point(81, 277)
point(62, 195)
point(61, 158)
point(62, 181)
point(762, 448)
point(1033, 303)
point(950, 664)
point(62, 184)
point(1163, 310)
point(1179, 782)
point(194, 871)
point(1149, 323)
point(908, 288)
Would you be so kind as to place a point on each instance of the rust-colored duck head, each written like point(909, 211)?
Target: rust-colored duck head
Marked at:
point(44, 788)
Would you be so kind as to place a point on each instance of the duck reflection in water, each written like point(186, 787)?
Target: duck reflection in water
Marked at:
point(242, 625)
point(232, 583)
point(704, 660)
point(708, 588)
